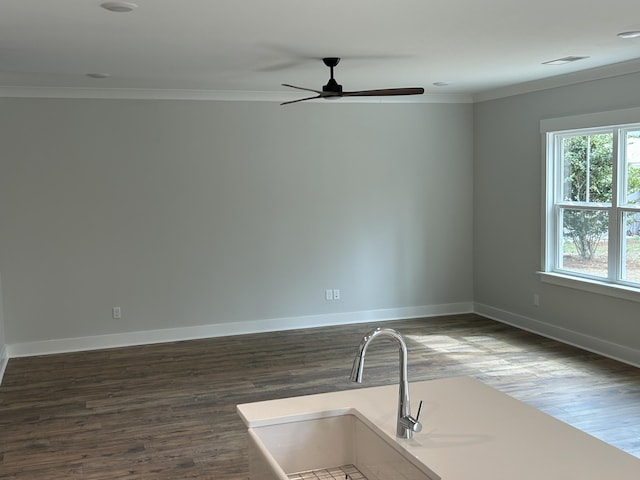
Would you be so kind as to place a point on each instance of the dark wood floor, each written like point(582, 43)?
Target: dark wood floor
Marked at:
point(168, 411)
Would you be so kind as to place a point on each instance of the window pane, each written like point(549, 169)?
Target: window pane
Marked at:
point(631, 248)
point(585, 241)
point(632, 162)
point(587, 166)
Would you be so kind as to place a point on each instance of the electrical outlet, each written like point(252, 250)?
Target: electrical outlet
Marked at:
point(116, 313)
point(328, 294)
point(536, 299)
point(336, 294)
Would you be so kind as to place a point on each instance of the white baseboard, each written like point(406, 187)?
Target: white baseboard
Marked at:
point(4, 359)
point(127, 339)
point(564, 335)
point(580, 340)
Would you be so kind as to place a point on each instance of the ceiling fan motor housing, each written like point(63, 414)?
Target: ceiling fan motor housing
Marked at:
point(332, 86)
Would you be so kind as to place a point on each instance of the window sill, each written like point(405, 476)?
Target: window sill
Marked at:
point(592, 286)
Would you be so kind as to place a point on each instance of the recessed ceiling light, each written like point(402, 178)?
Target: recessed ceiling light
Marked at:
point(631, 34)
point(98, 75)
point(119, 7)
point(563, 60)
point(440, 84)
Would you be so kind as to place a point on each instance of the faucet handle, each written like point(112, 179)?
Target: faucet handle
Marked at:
point(410, 423)
point(419, 410)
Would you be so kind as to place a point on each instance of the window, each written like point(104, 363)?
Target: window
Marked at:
point(592, 208)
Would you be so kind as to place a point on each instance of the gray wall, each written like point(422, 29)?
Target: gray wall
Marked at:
point(197, 213)
point(507, 220)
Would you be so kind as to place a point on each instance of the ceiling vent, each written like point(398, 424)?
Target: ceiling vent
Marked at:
point(563, 60)
point(119, 7)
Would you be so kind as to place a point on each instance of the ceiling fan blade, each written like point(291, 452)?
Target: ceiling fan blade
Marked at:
point(384, 92)
point(300, 99)
point(302, 88)
point(334, 90)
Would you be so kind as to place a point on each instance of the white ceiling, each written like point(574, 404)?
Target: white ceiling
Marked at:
point(249, 46)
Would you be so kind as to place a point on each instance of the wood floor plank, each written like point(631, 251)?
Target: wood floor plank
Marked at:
point(167, 411)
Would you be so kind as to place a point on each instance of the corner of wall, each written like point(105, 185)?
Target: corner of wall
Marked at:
point(4, 354)
point(602, 347)
point(4, 360)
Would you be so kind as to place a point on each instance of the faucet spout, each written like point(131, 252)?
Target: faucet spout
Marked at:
point(406, 424)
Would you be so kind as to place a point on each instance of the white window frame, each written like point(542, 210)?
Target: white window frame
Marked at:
point(550, 128)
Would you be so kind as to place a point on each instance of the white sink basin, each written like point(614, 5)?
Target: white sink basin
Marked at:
point(290, 446)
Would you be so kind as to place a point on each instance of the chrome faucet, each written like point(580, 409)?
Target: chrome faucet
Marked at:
point(406, 423)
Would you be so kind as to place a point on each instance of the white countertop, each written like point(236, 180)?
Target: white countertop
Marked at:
point(470, 432)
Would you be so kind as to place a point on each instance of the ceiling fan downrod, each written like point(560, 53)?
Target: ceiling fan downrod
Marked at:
point(332, 85)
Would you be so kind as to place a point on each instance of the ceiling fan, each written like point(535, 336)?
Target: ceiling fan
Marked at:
point(334, 90)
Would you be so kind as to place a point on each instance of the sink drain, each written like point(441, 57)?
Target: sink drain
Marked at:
point(345, 472)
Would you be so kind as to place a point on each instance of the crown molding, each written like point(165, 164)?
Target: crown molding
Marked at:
point(206, 95)
point(606, 71)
